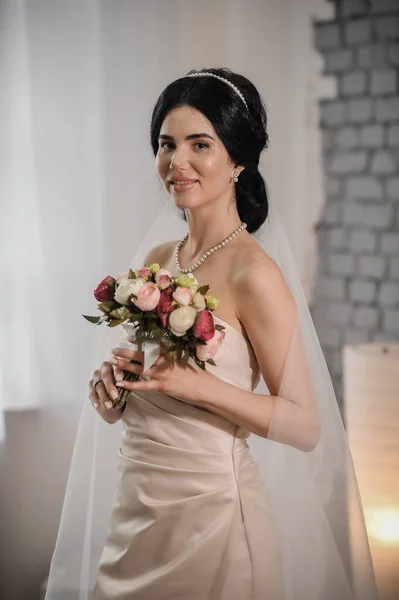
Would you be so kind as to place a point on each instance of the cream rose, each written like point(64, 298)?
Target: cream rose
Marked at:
point(181, 319)
point(182, 295)
point(199, 301)
point(127, 288)
point(121, 277)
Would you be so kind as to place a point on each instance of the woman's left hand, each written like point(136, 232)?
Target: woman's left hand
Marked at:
point(171, 378)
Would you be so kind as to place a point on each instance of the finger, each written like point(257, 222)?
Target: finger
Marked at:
point(151, 384)
point(118, 373)
point(107, 376)
point(103, 396)
point(92, 390)
point(93, 396)
point(124, 365)
point(128, 354)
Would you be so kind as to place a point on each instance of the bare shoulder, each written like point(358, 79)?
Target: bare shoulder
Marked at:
point(252, 262)
point(259, 282)
point(162, 253)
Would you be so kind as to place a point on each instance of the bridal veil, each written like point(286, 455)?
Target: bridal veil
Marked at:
point(313, 489)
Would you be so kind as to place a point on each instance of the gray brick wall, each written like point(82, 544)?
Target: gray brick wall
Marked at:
point(357, 288)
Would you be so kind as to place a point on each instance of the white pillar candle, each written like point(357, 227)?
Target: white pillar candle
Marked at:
point(371, 413)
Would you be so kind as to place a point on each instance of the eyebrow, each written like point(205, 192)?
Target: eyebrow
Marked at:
point(192, 136)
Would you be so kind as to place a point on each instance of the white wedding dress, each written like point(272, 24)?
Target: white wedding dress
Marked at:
point(192, 519)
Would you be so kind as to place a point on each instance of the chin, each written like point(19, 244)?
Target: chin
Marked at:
point(185, 202)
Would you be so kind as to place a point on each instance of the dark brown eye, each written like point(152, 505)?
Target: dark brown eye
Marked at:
point(164, 144)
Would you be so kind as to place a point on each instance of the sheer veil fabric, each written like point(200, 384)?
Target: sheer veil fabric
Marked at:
point(325, 553)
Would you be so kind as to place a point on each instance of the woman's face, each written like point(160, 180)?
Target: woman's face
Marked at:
point(191, 161)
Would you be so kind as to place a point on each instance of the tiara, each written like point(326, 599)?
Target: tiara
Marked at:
point(206, 74)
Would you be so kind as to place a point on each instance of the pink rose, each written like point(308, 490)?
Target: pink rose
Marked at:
point(103, 291)
point(165, 307)
point(183, 296)
point(204, 326)
point(148, 297)
point(144, 273)
point(163, 278)
point(208, 350)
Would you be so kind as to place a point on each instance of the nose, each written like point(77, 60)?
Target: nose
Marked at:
point(179, 159)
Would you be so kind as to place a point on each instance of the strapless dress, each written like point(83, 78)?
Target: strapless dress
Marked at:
point(192, 518)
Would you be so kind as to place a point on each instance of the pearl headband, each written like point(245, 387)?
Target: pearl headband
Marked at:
point(206, 74)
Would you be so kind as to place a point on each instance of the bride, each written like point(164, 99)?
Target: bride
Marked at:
point(224, 493)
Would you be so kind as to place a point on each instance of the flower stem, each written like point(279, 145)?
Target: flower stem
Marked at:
point(120, 402)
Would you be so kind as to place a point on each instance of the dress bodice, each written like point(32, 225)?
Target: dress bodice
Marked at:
point(235, 360)
point(146, 411)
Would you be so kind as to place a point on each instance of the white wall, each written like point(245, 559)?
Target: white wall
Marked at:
point(145, 44)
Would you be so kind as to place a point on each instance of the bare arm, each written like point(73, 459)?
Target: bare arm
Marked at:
point(268, 313)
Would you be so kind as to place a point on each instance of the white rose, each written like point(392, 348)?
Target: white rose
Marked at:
point(181, 319)
point(199, 301)
point(122, 277)
point(127, 288)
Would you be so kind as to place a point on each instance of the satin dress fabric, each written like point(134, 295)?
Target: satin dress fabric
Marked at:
point(192, 518)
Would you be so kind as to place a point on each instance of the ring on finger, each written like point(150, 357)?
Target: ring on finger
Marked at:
point(96, 381)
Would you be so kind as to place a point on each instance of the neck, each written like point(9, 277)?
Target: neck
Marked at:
point(207, 227)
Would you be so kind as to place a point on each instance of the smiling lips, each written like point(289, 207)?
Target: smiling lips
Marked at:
point(180, 180)
point(181, 185)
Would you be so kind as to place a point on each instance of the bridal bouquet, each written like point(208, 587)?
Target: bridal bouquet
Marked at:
point(174, 312)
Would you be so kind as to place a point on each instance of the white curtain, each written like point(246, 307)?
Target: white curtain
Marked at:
point(52, 200)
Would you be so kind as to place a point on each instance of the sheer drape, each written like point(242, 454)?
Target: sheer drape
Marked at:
point(305, 464)
point(51, 195)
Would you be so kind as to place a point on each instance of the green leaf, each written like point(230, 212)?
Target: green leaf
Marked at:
point(121, 313)
point(185, 356)
point(108, 306)
point(115, 322)
point(132, 274)
point(203, 289)
point(92, 319)
point(137, 316)
point(198, 362)
point(219, 327)
point(111, 283)
point(210, 361)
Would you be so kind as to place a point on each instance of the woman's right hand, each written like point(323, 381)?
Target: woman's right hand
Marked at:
point(103, 394)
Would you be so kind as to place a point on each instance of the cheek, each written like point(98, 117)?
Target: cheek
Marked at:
point(216, 169)
point(161, 165)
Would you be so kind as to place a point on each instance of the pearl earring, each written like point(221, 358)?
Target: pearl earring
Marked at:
point(235, 177)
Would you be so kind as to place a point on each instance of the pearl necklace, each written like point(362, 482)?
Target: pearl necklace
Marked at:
point(207, 253)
